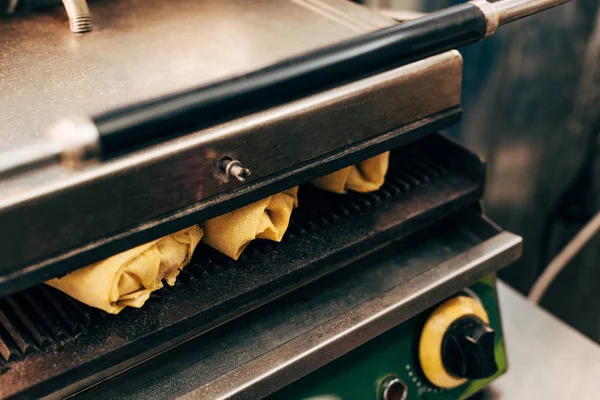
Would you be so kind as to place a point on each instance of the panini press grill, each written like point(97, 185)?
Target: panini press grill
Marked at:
point(351, 268)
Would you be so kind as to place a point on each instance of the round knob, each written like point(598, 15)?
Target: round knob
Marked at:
point(457, 343)
point(468, 349)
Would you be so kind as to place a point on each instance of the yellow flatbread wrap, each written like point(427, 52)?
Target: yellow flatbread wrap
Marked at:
point(127, 279)
point(366, 176)
point(265, 219)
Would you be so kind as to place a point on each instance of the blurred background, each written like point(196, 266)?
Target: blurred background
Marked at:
point(531, 100)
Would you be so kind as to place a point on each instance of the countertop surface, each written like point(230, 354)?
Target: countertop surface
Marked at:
point(547, 359)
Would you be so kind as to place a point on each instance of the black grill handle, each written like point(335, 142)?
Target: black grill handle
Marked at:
point(290, 79)
point(307, 74)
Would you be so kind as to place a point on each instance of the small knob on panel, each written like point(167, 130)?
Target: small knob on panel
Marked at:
point(468, 349)
point(392, 388)
point(234, 169)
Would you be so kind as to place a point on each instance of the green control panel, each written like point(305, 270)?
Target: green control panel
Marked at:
point(450, 351)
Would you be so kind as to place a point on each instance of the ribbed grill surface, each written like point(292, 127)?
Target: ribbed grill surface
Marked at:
point(36, 318)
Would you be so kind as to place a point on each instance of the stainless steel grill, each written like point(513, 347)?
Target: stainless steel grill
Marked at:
point(420, 238)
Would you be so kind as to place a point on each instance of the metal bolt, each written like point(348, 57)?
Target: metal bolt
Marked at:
point(234, 168)
point(80, 18)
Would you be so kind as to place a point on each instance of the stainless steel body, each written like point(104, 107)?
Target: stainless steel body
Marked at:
point(271, 348)
point(541, 351)
point(134, 198)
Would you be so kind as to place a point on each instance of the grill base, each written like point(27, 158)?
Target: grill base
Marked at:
point(345, 312)
point(51, 344)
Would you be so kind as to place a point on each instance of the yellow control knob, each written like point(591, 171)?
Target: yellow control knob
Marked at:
point(457, 343)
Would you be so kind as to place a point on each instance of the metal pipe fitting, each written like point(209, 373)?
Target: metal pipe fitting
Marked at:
point(512, 10)
point(234, 169)
point(80, 18)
